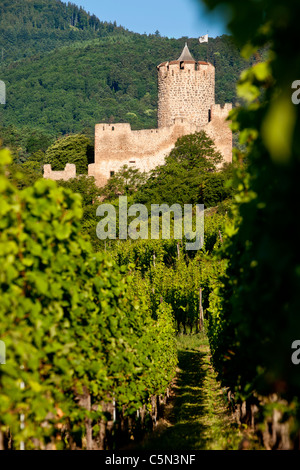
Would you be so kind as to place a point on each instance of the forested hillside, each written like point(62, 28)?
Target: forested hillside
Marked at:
point(112, 79)
point(66, 70)
point(28, 27)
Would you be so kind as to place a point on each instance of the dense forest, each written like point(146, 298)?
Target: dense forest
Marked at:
point(31, 27)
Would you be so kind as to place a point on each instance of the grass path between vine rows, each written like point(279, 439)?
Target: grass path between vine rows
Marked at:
point(196, 417)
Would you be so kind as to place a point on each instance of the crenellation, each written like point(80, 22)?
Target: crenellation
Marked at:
point(66, 174)
point(117, 128)
point(218, 111)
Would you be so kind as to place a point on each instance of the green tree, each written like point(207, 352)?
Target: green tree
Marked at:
point(38, 142)
point(218, 186)
point(196, 151)
point(185, 176)
point(25, 174)
point(85, 186)
point(124, 182)
point(75, 149)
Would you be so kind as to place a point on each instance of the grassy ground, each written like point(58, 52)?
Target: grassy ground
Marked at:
point(196, 417)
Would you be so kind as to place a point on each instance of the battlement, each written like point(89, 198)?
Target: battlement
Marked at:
point(66, 174)
point(217, 111)
point(126, 144)
point(119, 128)
point(177, 66)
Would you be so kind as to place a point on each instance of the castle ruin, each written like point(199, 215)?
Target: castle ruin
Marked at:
point(186, 104)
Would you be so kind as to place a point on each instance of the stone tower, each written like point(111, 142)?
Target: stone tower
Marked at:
point(186, 89)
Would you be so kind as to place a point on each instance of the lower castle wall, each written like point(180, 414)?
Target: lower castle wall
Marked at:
point(219, 131)
point(117, 145)
point(66, 174)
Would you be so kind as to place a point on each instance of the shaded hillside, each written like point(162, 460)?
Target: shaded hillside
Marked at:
point(109, 79)
point(28, 27)
point(65, 70)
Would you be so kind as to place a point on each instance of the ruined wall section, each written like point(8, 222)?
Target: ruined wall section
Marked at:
point(68, 173)
point(221, 112)
point(185, 90)
point(117, 145)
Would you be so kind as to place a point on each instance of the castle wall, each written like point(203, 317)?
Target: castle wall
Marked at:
point(185, 89)
point(68, 173)
point(217, 111)
point(219, 131)
point(186, 104)
point(117, 145)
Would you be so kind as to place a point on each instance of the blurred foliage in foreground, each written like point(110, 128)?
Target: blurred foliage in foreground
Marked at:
point(78, 330)
point(255, 312)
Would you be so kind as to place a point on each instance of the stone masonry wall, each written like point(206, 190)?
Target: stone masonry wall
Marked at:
point(219, 131)
point(117, 145)
point(185, 89)
point(68, 173)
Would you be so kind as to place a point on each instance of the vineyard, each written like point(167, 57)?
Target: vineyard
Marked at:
point(77, 328)
point(85, 332)
point(89, 336)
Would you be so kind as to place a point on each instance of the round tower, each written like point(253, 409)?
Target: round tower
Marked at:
point(186, 89)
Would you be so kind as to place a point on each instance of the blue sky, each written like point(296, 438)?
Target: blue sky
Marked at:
point(172, 18)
